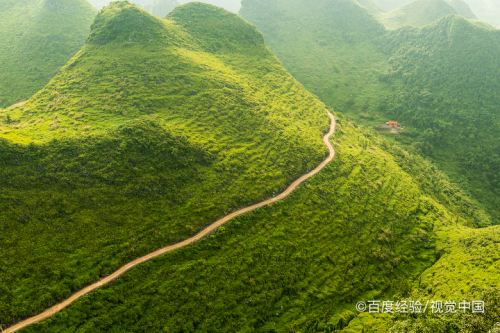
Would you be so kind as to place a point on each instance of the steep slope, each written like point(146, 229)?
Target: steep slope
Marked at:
point(388, 5)
point(462, 9)
point(418, 14)
point(370, 6)
point(153, 130)
point(440, 81)
point(334, 35)
point(37, 38)
point(156, 7)
point(450, 75)
point(362, 229)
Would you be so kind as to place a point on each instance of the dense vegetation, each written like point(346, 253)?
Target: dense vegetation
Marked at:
point(37, 38)
point(466, 270)
point(153, 130)
point(157, 127)
point(440, 82)
point(361, 229)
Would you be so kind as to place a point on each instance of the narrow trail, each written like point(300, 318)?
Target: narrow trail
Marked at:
point(205, 232)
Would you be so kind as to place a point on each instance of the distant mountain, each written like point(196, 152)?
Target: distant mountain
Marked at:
point(440, 81)
point(156, 7)
point(370, 6)
point(37, 38)
point(462, 9)
point(486, 10)
point(388, 5)
point(231, 5)
point(423, 12)
point(158, 127)
point(163, 7)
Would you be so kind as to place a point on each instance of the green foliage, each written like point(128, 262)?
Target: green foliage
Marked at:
point(37, 38)
point(126, 24)
point(219, 31)
point(441, 82)
point(138, 143)
point(362, 228)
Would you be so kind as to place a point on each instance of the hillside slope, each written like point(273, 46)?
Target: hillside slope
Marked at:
point(41, 37)
point(361, 229)
point(440, 82)
point(418, 14)
point(462, 9)
point(153, 130)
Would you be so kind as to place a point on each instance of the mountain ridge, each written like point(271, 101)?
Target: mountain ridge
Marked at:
point(42, 36)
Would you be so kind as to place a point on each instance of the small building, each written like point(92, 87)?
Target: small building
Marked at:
point(393, 124)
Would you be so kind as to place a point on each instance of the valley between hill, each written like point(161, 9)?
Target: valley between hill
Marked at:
point(158, 127)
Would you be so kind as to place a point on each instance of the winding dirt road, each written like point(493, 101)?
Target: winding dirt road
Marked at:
point(208, 230)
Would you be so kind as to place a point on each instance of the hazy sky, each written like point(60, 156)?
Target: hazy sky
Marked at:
point(486, 10)
point(231, 5)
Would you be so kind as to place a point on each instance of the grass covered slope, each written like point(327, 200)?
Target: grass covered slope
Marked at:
point(361, 229)
point(450, 75)
point(37, 38)
point(327, 46)
point(152, 131)
point(440, 81)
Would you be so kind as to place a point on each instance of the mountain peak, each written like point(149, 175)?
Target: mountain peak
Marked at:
point(124, 22)
point(462, 8)
point(418, 13)
point(216, 29)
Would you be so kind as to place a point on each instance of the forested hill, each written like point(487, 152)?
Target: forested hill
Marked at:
point(156, 128)
point(37, 38)
point(440, 81)
point(449, 76)
point(422, 12)
point(153, 130)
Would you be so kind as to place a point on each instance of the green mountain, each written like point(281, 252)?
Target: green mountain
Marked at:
point(153, 130)
point(440, 82)
point(156, 7)
point(38, 37)
point(418, 14)
point(363, 229)
point(156, 128)
point(388, 5)
point(462, 9)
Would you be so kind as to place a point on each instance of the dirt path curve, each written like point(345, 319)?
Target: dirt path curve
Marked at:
point(208, 230)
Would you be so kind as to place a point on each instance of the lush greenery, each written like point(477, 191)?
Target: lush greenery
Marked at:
point(466, 270)
point(158, 127)
point(361, 229)
point(441, 82)
point(37, 38)
point(153, 130)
